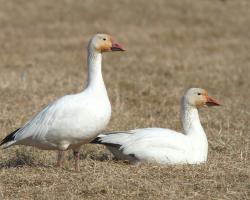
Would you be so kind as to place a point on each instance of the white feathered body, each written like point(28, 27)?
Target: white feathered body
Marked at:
point(68, 122)
point(165, 146)
point(159, 145)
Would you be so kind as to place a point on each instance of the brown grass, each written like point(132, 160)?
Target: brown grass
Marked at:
point(171, 46)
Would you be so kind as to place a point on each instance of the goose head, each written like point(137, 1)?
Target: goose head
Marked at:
point(197, 97)
point(104, 43)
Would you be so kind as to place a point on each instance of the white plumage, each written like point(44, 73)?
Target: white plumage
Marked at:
point(165, 146)
point(75, 119)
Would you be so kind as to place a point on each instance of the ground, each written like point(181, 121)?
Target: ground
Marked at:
point(171, 46)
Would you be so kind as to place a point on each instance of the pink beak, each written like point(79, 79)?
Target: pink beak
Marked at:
point(212, 102)
point(116, 47)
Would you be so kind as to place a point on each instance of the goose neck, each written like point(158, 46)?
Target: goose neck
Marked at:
point(191, 121)
point(194, 132)
point(95, 78)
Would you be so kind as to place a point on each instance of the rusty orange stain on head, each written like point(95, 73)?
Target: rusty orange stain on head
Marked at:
point(105, 45)
point(202, 101)
point(205, 93)
point(199, 103)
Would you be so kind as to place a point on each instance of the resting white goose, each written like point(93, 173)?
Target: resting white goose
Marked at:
point(165, 146)
point(74, 119)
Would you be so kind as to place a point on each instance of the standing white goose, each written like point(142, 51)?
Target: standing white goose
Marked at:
point(74, 119)
point(164, 145)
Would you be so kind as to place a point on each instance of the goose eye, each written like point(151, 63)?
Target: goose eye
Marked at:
point(104, 39)
point(199, 93)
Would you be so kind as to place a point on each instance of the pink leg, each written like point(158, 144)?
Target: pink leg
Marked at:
point(60, 158)
point(77, 158)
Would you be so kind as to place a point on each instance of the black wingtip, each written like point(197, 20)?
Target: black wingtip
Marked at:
point(9, 137)
point(96, 141)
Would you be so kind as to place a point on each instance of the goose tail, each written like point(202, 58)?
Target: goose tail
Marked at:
point(9, 139)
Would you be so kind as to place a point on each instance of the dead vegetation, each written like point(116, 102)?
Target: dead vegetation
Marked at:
point(171, 46)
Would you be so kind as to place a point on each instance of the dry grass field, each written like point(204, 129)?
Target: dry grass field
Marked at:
point(172, 45)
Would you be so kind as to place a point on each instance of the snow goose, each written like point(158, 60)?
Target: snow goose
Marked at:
point(164, 145)
point(74, 119)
